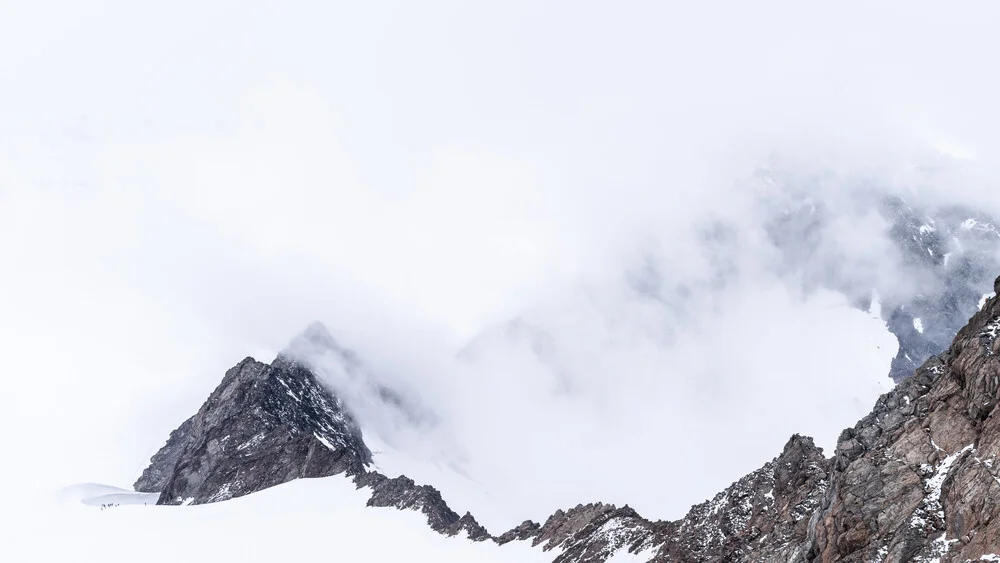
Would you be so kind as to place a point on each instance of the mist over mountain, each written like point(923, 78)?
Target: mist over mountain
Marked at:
point(550, 242)
point(900, 486)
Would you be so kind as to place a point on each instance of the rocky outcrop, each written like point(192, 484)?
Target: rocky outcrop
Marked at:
point(591, 532)
point(916, 479)
point(161, 467)
point(262, 426)
point(401, 492)
point(762, 517)
point(269, 424)
point(765, 516)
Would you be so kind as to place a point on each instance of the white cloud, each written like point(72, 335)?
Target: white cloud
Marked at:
point(175, 196)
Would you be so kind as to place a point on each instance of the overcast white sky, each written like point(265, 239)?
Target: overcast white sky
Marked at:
point(183, 184)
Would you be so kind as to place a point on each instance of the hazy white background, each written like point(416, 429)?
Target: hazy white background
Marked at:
point(185, 184)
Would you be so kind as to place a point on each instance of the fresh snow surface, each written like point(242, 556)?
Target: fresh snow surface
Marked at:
point(302, 520)
point(93, 494)
point(918, 325)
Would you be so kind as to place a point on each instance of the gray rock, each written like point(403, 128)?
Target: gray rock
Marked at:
point(269, 424)
point(264, 425)
point(401, 492)
point(154, 477)
point(591, 532)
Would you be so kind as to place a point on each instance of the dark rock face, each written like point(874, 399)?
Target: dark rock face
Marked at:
point(264, 425)
point(916, 478)
point(404, 494)
point(761, 517)
point(269, 424)
point(526, 530)
point(154, 478)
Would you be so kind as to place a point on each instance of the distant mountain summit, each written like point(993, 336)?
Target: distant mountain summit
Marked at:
point(264, 425)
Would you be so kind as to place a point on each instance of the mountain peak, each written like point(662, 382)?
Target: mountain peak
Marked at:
point(314, 340)
point(269, 424)
point(263, 425)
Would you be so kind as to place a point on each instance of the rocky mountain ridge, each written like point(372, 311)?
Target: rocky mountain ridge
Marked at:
point(915, 480)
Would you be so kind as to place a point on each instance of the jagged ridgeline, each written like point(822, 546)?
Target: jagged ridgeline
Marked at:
point(918, 479)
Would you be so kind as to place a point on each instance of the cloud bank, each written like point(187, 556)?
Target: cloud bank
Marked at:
point(177, 192)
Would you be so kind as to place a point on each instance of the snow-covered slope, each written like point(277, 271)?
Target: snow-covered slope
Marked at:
point(96, 494)
point(296, 521)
